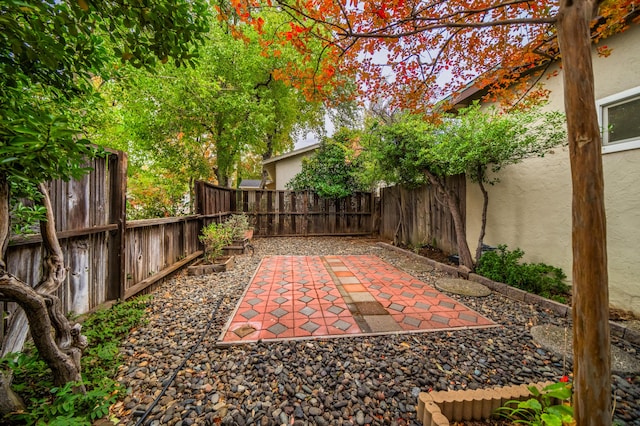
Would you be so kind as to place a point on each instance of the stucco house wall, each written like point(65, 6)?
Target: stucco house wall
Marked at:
point(531, 207)
point(283, 168)
point(286, 169)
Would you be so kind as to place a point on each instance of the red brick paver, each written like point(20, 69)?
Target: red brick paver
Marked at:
point(319, 296)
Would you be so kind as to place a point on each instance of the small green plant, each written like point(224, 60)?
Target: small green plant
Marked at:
point(504, 266)
point(237, 224)
point(215, 237)
point(549, 407)
point(60, 405)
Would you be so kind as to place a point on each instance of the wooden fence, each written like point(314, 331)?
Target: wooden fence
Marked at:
point(156, 248)
point(90, 216)
point(109, 258)
point(417, 216)
point(289, 213)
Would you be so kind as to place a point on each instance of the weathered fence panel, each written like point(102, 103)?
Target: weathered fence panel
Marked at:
point(88, 229)
point(157, 247)
point(288, 213)
point(107, 258)
point(282, 213)
point(214, 201)
point(418, 216)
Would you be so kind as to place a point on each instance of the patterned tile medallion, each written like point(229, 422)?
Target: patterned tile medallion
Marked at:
point(318, 296)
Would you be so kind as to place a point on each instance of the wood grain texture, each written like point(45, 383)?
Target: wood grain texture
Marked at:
point(279, 213)
point(418, 216)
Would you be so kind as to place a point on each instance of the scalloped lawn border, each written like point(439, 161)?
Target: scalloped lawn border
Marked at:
point(442, 407)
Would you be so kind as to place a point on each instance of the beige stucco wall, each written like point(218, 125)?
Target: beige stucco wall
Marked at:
point(287, 168)
point(531, 207)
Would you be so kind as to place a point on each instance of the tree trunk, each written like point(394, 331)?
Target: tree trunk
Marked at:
point(61, 354)
point(41, 311)
point(400, 229)
point(591, 340)
point(453, 203)
point(53, 275)
point(9, 401)
point(267, 154)
point(485, 207)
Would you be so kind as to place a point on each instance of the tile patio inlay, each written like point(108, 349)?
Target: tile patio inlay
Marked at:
point(303, 297)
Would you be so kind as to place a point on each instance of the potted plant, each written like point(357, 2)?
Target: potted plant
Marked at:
point(241, 232)
point(239, 226)
point(215, 237)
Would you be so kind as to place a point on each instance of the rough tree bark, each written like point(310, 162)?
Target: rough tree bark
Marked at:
point(485, 207)
point(401, 228)
point(61, 350)
point(453, 203)
point(267, 154)
point(591, 340)
point(9, 400)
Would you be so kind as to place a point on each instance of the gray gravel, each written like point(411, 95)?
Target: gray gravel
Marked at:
point(340, 381)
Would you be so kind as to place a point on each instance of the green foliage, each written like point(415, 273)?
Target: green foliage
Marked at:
point(504, 266)
point(151, 195)
point(104, 330)
point(215, 237)
point(332, 172)
point(60, 405)
point(215, 121)
point(473, 142)
point(541, 410)
point(40, 147)
point(237, 224)
point(24, 217)
point(476, 140)
point(394, 150)
point(60, 44)
point(53, 54)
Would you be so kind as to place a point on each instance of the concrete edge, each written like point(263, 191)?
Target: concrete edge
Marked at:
point(617, 329)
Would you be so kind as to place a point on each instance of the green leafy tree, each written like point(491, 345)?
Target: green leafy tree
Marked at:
point(474, 142)
point(215, 121)
point(332, 172)
point(50, 53)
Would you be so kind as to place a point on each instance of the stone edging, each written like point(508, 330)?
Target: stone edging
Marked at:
point(560, 309)
point(441, 408)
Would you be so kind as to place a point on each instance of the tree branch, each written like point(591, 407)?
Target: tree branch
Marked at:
point(425, 28)
point(61, 360)
point(54, 272)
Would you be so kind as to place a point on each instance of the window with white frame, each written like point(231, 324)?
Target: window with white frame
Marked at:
point(619, 117)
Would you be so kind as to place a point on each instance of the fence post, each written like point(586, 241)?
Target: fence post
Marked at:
point(117, 215)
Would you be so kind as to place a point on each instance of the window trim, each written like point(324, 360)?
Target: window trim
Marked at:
point(605, 102)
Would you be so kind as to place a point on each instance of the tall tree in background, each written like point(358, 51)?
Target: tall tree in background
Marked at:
point(238, 105)
point(502, 41)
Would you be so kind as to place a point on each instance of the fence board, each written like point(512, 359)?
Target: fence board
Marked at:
point(417, 217)
point(280, 213)
point(87, 232)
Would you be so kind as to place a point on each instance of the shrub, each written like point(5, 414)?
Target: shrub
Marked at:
point(215, 237)
point(60, 405)
point(543, 408)
point(237, 224)
point(504, 266)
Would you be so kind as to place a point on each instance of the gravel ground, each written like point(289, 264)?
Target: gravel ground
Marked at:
point(339, 381)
